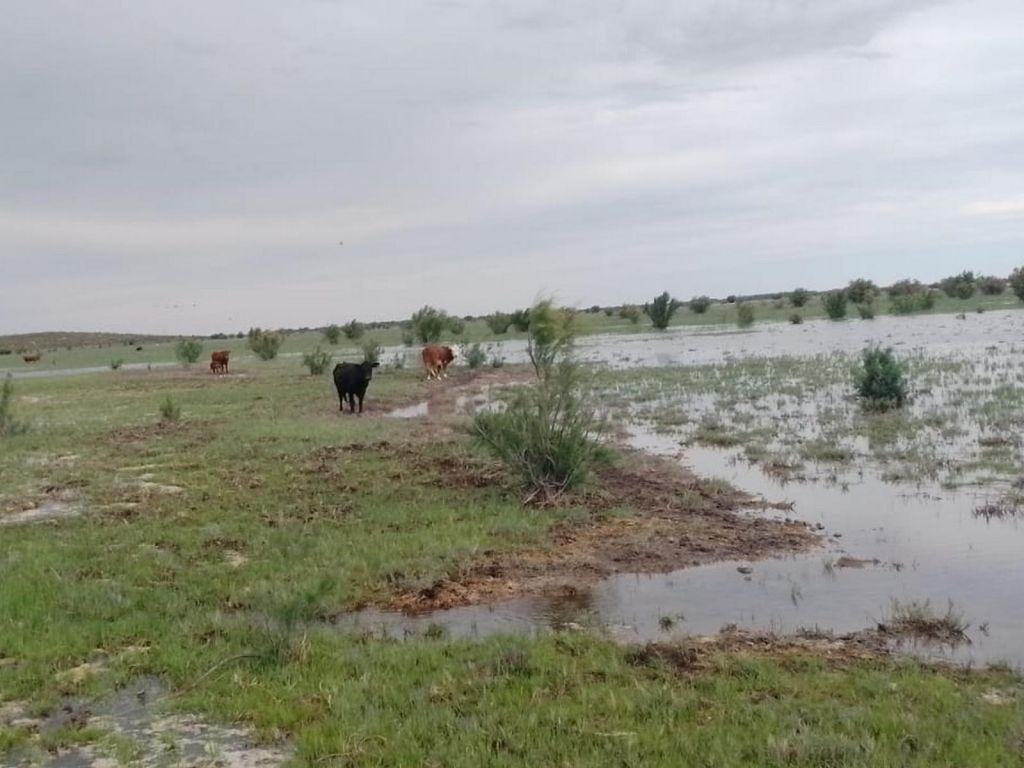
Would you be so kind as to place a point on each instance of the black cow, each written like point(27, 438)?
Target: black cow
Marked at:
point(352, 379)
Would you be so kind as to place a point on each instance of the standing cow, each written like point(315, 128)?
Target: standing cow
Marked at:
point(437, 359)
point(219, 361)
point(352, 379)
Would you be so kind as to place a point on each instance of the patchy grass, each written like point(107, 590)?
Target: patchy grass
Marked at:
point(920, 620)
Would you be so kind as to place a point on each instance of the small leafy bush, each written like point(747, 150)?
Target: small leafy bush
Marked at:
point(551, 336)
point(866, 311)
point(372, 350)
point(332, 333)
point(9, 426)
point(116, 363)
point(661, 309)
point(429, 324)
point(744, 315)
point(497, 358)
point(169, 410)
point(631, 313)
point(861, 291)
point(1016, 282)
point(960, 286)
point(880, 380)
point(700, 304)
point(264, 343)
point(353, 330)
point(796, 318)
point(521, 320)
point(991, 286)
point(905, 288)
point(188, 351)
point(316, 361)
point(799, 297)
point(834, 303)
point(475, 356)
point(498, 322)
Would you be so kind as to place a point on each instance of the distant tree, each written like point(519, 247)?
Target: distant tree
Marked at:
point(188, 351)
point(1016, 281)
point(661, 309)
point(264, 343)
point(429, 324)
point(353, 329)
point(332, 333)
point(520, 320)
point(498, 322)
point(991, 286)
point(700, 304)
point(457, 325)
point(960, 286)
point(905, 288)
point(861, 291)
point(799, 297)
point(744, 314)
point(834, 303)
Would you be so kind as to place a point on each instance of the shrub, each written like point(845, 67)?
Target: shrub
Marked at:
point(548, 434)
point(332, 333)
point(905, 288)
point(960, 286)
point(169, 410)
point(9, 426)
point(408, 337)
point(861, 291)
point(116, 363)
point(520, 320)
point(880, 381)
point(796, 318)
point(429, 324)
point(609, 311)
point(700, 304)
point(744, 315)
point(551, 337)
point(866, 311)
point(353, 330)
point(498, 322)
point(6, 351)
point(928, 299)
point(475, 356)
point(188, 351)
point(991, 286)
point(629, 312)
point(398, 361)
point(317, 361)
point(497, 359)
point(372, 350)
point(905, 305)
point(799, 297)
point(834, 303)
point(731, 298)
point(264, 343)
point(661, 309)
point(1016, 281)
point(456, 325)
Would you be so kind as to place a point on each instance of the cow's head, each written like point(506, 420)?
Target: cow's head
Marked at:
point(456, 351)
point(368, 369)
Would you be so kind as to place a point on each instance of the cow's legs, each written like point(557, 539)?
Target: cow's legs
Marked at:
point(360, 403)
point(351, 402)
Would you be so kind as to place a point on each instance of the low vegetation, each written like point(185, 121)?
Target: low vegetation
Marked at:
point(116, 363)
point(265, 344)
point(881, 381)
point(799, 297)
point(353, 330)
point(372, 350)
point(962, 286)
point(700, 304)
point(631, 313)
point(475, 356)
point(498, 323)
point(429, 324)
point(919, 619)
point(317, 361)
point(744, 315)
point(170, 410)
point(188, 351)
point(661, 309)
point(861, 291)
point(332, 333)
point(9, 426)
point(834, 303)
point(1016, 282)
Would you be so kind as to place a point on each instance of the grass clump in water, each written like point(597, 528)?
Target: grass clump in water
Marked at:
point(915, 618)
point(881, 381)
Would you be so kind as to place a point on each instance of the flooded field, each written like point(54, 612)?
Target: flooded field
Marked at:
point(917, 507)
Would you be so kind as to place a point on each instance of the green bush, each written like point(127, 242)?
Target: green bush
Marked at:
point(429, 324)
point(457, 326)
point(796, 318)
point(861, 291)
point(991, 286)
point(960, 286)
point(661, 309)
point(353, 330)
point(372, 350)
point(264, 343)
point(880, 381)
point(1016, 281)
point(631, 313)
point(332, 333)
point(408, 337)
point(116, 363)
point(906, 288)
point(548, 434)
point(551, 336)
point(169, 410)
point(609, 311)
point(475, 356)
point(188, 351)
point(317, 361)
point(497, 358)
point(700, 304)
point(799, 297)
point(521, 320)
point(744, 315)
point(9, 426)
point(866, 311)
point(498, 322)
point(834, 303)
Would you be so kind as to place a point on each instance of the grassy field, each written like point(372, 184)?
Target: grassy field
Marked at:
point(211, 552)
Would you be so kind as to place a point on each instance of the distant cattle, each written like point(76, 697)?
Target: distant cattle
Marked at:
point(351, 380)
point(33, 358)
point(437, 359)
point(219, 361)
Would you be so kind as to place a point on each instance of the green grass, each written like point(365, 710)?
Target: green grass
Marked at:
point(290, 514)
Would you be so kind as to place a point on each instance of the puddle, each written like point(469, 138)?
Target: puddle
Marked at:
point(411, 411)
point(884, 542)
point(139, 732)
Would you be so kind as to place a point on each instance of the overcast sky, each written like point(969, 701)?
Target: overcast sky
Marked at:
point(192, 166)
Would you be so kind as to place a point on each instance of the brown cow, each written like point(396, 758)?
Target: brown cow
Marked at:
point(437, 359)
point(219, 361)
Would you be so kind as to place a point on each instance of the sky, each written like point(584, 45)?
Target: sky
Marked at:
point(194, 167)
